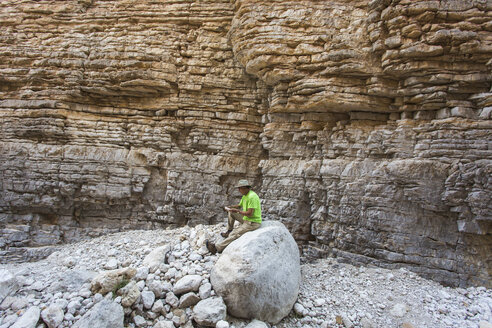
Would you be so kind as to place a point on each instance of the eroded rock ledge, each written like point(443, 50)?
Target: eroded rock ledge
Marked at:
point(365, 125)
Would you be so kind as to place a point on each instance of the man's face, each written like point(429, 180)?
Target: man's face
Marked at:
point(243, 190)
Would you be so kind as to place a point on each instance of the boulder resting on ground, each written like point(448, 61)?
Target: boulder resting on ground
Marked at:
point(105, 314)
point(258, 275)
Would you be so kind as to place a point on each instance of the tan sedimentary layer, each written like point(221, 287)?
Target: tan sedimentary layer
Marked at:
point(364, 125)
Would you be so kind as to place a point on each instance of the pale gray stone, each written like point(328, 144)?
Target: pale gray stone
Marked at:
point(105, 314)
point(71, 280)
point(222, 324)
point(29, 319)
point(172, 299)
point(18, 303)
point(399, 310)
point(129, 294)
point(210, 311)
point(159, 288)
point(148, 299)
point(156, 257)
point(111, 264)
point(257, 324)
point(52, 316)
point(189, 283)
point(164, 324)
point(8, 284)
point(139, 321)
point(299, 309)
point(158, 306)
point(251, 260)
point(63, 303)
point(205, 290)
point(142, 273)
point(347, 322)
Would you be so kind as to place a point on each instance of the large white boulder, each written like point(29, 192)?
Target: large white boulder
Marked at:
point(258, 275)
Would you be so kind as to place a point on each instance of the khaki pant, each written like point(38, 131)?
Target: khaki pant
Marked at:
point(244, 227)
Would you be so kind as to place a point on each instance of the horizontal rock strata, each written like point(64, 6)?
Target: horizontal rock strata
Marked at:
point(364, 125)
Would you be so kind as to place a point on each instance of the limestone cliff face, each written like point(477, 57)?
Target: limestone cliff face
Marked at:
point(365, 125)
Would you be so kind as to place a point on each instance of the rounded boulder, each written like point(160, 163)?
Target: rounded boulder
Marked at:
point(258, 275)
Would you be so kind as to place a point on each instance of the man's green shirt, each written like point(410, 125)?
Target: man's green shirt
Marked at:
point(251, 200)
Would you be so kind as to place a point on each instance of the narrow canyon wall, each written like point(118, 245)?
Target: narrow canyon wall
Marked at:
point(364, 125)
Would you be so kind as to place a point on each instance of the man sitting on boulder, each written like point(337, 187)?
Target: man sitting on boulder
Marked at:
point(249, 217)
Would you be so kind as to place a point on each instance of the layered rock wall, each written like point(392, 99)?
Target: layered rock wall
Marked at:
point(365, 125)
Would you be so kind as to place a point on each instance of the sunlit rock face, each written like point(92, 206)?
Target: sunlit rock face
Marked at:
point(365, 126)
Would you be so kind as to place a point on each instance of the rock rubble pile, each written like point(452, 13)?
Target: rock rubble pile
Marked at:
point(161, 279)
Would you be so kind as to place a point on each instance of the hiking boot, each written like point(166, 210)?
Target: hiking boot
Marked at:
point(210, 246)
point(225, 234)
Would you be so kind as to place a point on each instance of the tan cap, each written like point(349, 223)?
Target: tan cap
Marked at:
point(243, 183)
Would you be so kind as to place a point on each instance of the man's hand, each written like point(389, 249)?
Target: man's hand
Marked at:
point(248, 213)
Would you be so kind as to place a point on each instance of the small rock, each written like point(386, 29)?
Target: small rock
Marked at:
point(142, 273)
point(111, 264)
point(164, 324)
point(172, 300)
point(188, 299)
point(52, 316)
point(61, 303)
point(205, 290)
point(347, 322)
point(222, 324)
point(210, 311)
point(158, 288)
point(129, 294)
point(141, 285)
point(38, 286)
point(148, 299)
point(139, 321)
point(299, 309)
point(158, 306)
point(73, 306)
point(189, 283)
point(18, 303)
point(157, 256)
